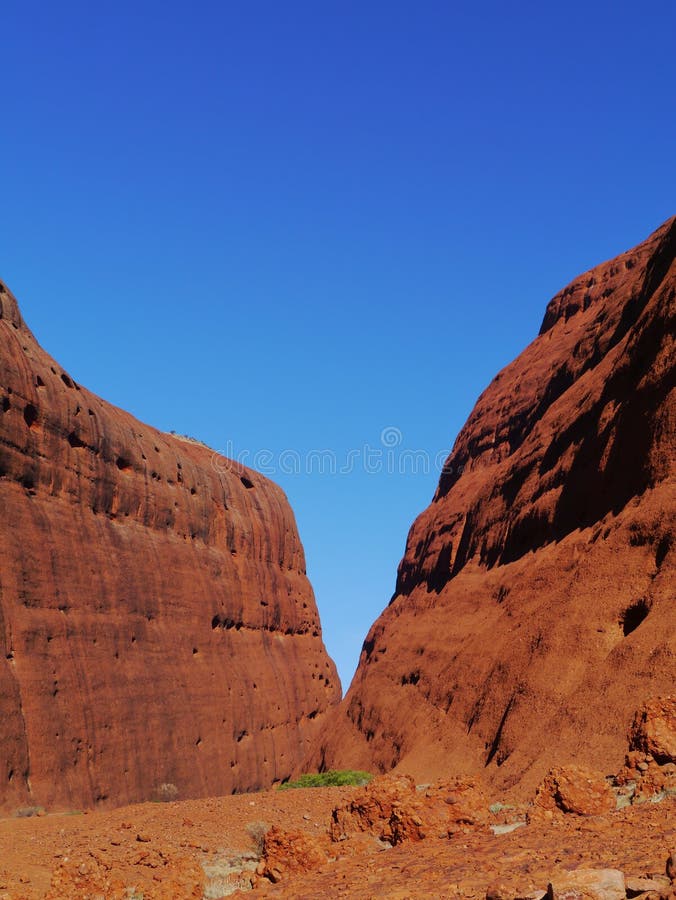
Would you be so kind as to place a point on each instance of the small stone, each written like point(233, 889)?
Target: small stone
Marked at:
point(637, 886)
point(507, 828)
point(588, 884)
point(143, 838)
point(498, 892)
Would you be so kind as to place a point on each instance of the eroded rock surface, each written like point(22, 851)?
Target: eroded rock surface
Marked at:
point(654, 729)
point(575, 790)
point(395, 811)
point(534, 605)
point(649, 769)
point(159, 637)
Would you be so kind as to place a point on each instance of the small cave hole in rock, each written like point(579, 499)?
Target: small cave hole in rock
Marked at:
point(30, 414)
point(662, 549)
point(248, 484)
point(75, 441)
point(39, 382)
point(67, 380)
point(6, 405)
point(633, 616)
point(122, 464)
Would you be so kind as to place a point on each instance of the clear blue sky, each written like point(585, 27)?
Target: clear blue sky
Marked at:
point(290, 225)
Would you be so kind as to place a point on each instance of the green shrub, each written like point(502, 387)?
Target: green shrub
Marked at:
point(333, 778)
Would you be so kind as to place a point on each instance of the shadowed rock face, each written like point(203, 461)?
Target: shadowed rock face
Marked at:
point(534, 607)
point(156, 623)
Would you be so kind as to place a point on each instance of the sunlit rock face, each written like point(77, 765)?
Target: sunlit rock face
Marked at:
point(534, 607)
point(159, 635)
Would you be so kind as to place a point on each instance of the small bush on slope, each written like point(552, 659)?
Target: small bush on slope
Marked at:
point(333, 778)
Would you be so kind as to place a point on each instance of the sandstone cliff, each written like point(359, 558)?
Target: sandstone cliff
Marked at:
point(158, 632)
point(534, 607)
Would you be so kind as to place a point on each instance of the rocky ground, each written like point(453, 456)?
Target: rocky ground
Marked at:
point(582, 835)
point(163, 850)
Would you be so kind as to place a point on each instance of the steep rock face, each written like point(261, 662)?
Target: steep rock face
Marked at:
point(156, 623)
point(534, 607)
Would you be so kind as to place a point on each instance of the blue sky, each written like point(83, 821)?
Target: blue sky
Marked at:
point(289, 226)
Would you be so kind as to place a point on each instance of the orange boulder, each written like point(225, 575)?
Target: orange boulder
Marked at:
point(576, 790)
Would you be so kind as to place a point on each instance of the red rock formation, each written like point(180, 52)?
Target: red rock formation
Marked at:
point(650, 765)
point(653, 730)
point(534, 607)
point(394, 810)
point(291, 852)
point(575, 790)
point(156, 624)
